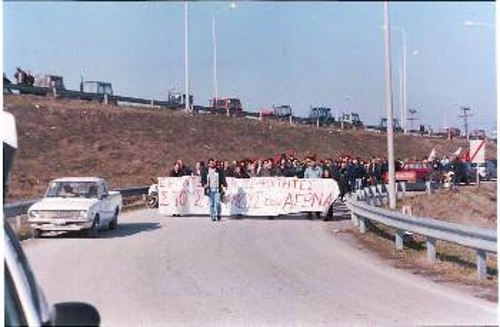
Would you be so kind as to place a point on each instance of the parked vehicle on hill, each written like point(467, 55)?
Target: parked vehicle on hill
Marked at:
point(76, 204)
point(382, 126)
point(350, 120)
point(321, 116)
point(50, 81)
point(230, 106)
point(96, 87)
point(283, 112)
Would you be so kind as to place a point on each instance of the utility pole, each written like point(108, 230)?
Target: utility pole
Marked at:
point(466, 123)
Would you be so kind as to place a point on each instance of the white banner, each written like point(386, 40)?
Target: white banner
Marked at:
point(259, 196)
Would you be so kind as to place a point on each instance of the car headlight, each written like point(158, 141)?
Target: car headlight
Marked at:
point(83, 214)
point(34, 214)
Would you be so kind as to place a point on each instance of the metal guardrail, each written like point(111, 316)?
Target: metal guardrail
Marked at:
point(482, 240)
point(20, 208)
point(64, 93)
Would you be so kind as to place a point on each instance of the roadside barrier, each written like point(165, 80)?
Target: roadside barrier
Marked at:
point(365, 207)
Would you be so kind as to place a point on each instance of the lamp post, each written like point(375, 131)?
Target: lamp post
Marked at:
point(214, 42)
point(388, 99)
point(469, 23)
point(186, 63)
point(404, 87)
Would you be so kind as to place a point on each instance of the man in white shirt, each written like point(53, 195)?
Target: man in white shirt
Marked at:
point(213, 181)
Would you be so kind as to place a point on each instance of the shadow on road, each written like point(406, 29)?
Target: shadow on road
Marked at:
point(123, 230)
point(129, 229)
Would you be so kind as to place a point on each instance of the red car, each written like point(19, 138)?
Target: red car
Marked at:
point(413, 171)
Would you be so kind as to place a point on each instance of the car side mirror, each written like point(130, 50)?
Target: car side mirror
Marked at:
point(75, 314)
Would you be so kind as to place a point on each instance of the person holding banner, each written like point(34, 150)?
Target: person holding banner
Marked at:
point(213, 181)
point(313, 171)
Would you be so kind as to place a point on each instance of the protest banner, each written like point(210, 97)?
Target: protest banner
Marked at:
point(260, 196)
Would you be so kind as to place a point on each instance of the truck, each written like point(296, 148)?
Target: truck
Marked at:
point(96, 87)
point(350, 120)
point(283, 112)
point(104, 90)
point(229, 106)
point(321, 116)
point(81, 204)
point(382, 126)
point(49, 81)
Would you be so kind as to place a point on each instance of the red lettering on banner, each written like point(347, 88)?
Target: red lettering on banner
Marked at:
point(254, 200)
point(181, 199)
point(197, 197)
point(317, 198)
point(288, 201)
point(163, 198)
point(329, 201)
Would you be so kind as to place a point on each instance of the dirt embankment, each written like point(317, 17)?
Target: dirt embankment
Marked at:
point(131, 146)
point(466, 205)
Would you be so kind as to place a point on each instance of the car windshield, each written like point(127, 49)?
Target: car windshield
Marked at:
point(72, 189)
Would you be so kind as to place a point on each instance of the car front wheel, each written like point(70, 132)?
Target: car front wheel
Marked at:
point(93, 231)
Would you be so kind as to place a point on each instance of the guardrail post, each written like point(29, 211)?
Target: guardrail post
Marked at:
point(403, 188)
point(428, 187)
point(354, 219)
point(362, 225)
point(431, 249)
point(105, 98)
point(151, 105)
point(399, 239)
point(481, 264)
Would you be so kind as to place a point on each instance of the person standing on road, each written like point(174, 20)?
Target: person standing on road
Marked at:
point(313, 171)
point(213, 182)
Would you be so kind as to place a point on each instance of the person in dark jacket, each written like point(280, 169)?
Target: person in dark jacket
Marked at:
point(239, 172)
point(329, 214)
point(176, 170)
point(343, 180)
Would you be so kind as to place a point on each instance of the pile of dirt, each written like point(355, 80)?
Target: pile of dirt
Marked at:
point(132, 146)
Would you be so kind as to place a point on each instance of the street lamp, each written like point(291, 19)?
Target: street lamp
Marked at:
point(388, 89)
point(403, 33)
point(470, 23)
point(214, 41)
point(186, 63)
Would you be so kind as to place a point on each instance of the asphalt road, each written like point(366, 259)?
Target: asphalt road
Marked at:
point(155, 270)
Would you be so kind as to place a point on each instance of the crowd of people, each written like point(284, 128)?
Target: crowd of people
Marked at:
point(351, 173)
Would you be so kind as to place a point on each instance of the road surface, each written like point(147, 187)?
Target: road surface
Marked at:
point(155, 270)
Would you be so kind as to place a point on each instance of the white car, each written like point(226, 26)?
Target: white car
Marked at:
point(76, 204)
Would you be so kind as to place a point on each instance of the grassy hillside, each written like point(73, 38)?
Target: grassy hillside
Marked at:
point(132, 146)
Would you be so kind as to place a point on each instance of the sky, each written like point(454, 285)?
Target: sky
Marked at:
point(269, 53)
